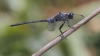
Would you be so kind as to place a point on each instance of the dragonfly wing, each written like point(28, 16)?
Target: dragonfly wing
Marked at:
point(69, 22)
point(51, 26)
point(75, 20)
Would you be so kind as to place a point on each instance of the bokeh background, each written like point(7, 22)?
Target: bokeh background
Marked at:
point(27, 39)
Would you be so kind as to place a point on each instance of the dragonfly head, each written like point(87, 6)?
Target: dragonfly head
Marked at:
point(70, 16)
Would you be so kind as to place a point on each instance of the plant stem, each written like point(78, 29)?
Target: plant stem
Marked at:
point(66, 33)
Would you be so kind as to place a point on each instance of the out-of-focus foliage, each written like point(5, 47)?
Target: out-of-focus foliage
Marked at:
point(27, 39)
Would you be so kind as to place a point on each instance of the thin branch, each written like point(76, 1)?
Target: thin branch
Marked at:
point(66, 33)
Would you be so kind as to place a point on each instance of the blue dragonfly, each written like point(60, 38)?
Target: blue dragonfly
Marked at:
point(61, 16)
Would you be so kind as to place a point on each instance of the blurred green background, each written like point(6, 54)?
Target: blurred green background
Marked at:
point(25, 40)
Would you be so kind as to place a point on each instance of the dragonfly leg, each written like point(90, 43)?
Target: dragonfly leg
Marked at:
point(61, 27)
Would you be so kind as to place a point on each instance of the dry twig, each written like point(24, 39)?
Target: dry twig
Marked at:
point(66, 33)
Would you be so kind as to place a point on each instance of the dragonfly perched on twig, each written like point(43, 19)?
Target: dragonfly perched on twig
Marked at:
point(61, 16)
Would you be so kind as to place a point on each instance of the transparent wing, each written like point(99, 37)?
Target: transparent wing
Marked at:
point(51, 26)
point(70, 22)
point(73, 21)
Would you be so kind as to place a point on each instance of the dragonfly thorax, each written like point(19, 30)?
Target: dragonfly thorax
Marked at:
point(61, 16)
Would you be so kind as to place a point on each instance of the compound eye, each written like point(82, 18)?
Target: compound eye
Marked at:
point(71, 13)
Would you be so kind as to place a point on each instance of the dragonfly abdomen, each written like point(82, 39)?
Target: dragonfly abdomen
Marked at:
point(22, 23)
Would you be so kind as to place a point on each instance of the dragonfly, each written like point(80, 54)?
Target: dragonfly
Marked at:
point(61, 16)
